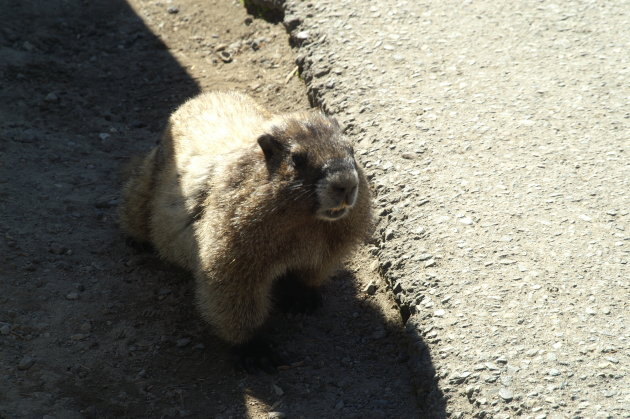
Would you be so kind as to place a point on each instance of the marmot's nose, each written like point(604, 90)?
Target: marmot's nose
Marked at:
point(346, 191)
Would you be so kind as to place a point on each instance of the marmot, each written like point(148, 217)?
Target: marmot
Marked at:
point(242, 198)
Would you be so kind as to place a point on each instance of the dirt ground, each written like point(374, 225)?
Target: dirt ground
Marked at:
point(90, 327)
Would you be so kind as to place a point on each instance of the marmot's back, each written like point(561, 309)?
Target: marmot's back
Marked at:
point(163, 189)
point(216, 123)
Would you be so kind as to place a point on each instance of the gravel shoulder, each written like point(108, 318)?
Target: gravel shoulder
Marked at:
point(496, 137)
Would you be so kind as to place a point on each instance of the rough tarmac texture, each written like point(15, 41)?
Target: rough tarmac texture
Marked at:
point(496, 137)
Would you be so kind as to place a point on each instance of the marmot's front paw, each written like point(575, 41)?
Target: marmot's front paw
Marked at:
point(307, 300)
point(257, 355)
point(295, 297)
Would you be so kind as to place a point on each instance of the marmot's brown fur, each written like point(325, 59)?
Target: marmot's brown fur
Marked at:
point(242, 197)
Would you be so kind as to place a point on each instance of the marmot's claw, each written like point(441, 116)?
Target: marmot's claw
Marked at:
point(257, 355)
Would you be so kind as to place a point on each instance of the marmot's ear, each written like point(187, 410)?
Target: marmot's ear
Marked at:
point(270, 146)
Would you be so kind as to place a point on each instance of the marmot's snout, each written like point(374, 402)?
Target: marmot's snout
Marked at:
point(338, 190)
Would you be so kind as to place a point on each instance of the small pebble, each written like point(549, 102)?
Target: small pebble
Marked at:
point(5, 329)
point(460, 378)
point(370, 288)
point(78, 336)
point(26, 363)
point(56, 249)
point(379, 334)
point(225, 56)
point(491, 366)
point(182, 342)
point(506, 394)
point(421, 230)
point(51, 97)
point(172, 10)
point(277, 390)
point(72, 296)
point(302, 35)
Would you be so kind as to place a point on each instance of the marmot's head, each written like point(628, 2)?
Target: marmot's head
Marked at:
point(309, 148)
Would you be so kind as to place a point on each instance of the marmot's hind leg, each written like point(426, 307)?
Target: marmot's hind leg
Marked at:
point(137, 193)
point(238, 308)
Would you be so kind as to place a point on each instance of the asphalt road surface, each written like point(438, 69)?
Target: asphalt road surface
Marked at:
point(496, 135)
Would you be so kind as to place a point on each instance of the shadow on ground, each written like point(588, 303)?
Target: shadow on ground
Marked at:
point(93, 328)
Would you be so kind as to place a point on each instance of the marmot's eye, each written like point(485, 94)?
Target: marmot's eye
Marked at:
point(299, 159)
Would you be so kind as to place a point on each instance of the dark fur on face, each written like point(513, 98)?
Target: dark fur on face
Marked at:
point(312, 148)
